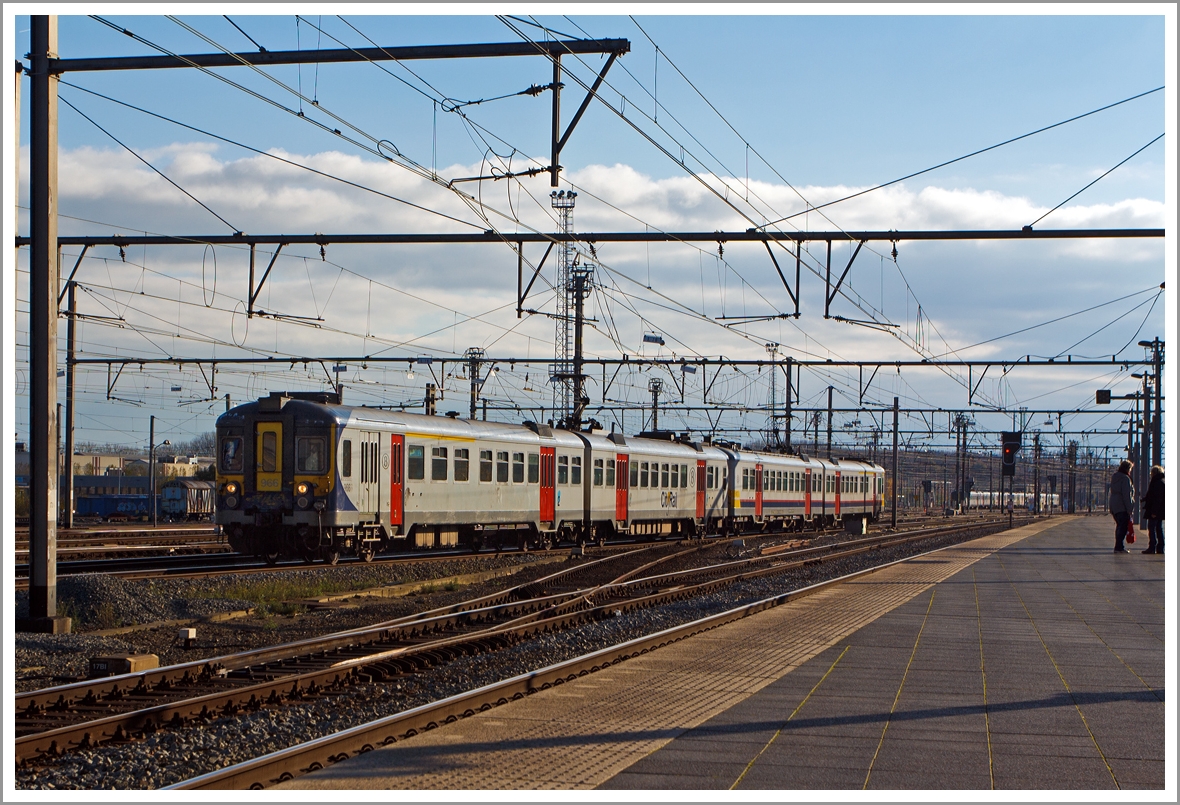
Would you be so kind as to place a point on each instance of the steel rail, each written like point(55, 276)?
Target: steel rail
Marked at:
point(311, 756)
point(361, 650)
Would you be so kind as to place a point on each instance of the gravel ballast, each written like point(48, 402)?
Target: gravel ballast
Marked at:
point(174, 755)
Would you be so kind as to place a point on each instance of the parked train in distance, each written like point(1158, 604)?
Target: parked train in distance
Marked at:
point(300, 475)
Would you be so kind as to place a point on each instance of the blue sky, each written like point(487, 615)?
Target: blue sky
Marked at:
point(832, 103)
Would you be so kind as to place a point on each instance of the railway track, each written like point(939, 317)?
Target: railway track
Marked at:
point(69, 717)
point(174, 557)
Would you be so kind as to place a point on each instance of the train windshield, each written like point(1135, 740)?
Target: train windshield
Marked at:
point(309, 454)
point(231, 454)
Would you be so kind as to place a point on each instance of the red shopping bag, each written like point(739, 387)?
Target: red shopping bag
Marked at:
point(1130, 534)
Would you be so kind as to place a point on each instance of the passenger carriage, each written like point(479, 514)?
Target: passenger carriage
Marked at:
point(302, 476)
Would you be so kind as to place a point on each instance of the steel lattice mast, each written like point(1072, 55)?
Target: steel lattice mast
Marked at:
point(563, 370)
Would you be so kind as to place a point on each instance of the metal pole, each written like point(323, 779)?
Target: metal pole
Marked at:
point(71, 345)
point(1157, 444)
point(787, 418)
point(554, 169)
point(43, 290)
point(152, 468)
point(829, 423)
point(579, 401)
point(1037, 474)
point(893, 504)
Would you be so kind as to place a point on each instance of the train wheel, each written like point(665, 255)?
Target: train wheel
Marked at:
point(367, 554)
point(272, 559)
point(332, 556)
point(309, 556)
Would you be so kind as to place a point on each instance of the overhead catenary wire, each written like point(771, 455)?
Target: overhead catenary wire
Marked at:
point(726, 200)
point(1100, 178)
point(163, 175)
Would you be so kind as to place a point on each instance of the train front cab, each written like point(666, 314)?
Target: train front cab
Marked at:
point(273, 484)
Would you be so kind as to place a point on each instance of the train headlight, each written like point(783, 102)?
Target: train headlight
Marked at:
point(301, 488)
point(231, 501)
point(231, 488)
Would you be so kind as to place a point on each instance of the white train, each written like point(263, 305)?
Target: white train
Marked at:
point(300, 475)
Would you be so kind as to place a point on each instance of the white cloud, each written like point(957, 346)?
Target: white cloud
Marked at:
point(969, 291)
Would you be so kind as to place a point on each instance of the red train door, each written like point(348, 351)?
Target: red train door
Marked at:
point(700, 488)
point(757, 490)
point(548, 461)
point(837, 488)
point(807, 492)
point(397, 464)
point(622, 482)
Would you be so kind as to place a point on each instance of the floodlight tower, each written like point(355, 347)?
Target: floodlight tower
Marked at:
point(562, 375)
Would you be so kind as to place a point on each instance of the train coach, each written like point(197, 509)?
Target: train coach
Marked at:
point(300, 475)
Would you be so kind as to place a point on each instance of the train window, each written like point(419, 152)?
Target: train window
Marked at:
point(485, 466)
point(634, 474)
point(644, 474)
point(346, 458)
point(269, 448)
point(745, 478)
point(438, 463)
point(563, 469)
point(462, 464)
point(709, 477)
point(684, 476)
point(534, 468)
point(610, 472)
point(675, 477)
point(518, 468)
point(576, 470)
point(231, 454)
point(309, 454)
point(664, 476)
point(416, 454)
point(598, 472)
point(502, 466)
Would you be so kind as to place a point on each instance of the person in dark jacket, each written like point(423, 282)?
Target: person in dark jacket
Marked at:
point(1153, 510)
point(1122, 501)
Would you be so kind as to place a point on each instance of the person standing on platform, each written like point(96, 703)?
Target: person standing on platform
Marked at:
point(1122, 502)
point(1153, 511)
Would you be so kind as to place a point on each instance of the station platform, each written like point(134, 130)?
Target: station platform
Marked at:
point(1029, 659)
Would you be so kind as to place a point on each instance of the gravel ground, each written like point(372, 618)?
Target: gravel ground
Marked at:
point(173, 755)
point(99, 602)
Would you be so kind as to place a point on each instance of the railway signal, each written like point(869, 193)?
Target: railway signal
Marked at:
point(1011, 445)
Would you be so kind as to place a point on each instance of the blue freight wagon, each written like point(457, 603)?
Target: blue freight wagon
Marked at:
point(113, 508)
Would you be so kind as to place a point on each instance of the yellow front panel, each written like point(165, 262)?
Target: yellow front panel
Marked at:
point(268, 457)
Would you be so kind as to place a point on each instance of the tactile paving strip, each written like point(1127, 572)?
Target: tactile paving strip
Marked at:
point(584, 732)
